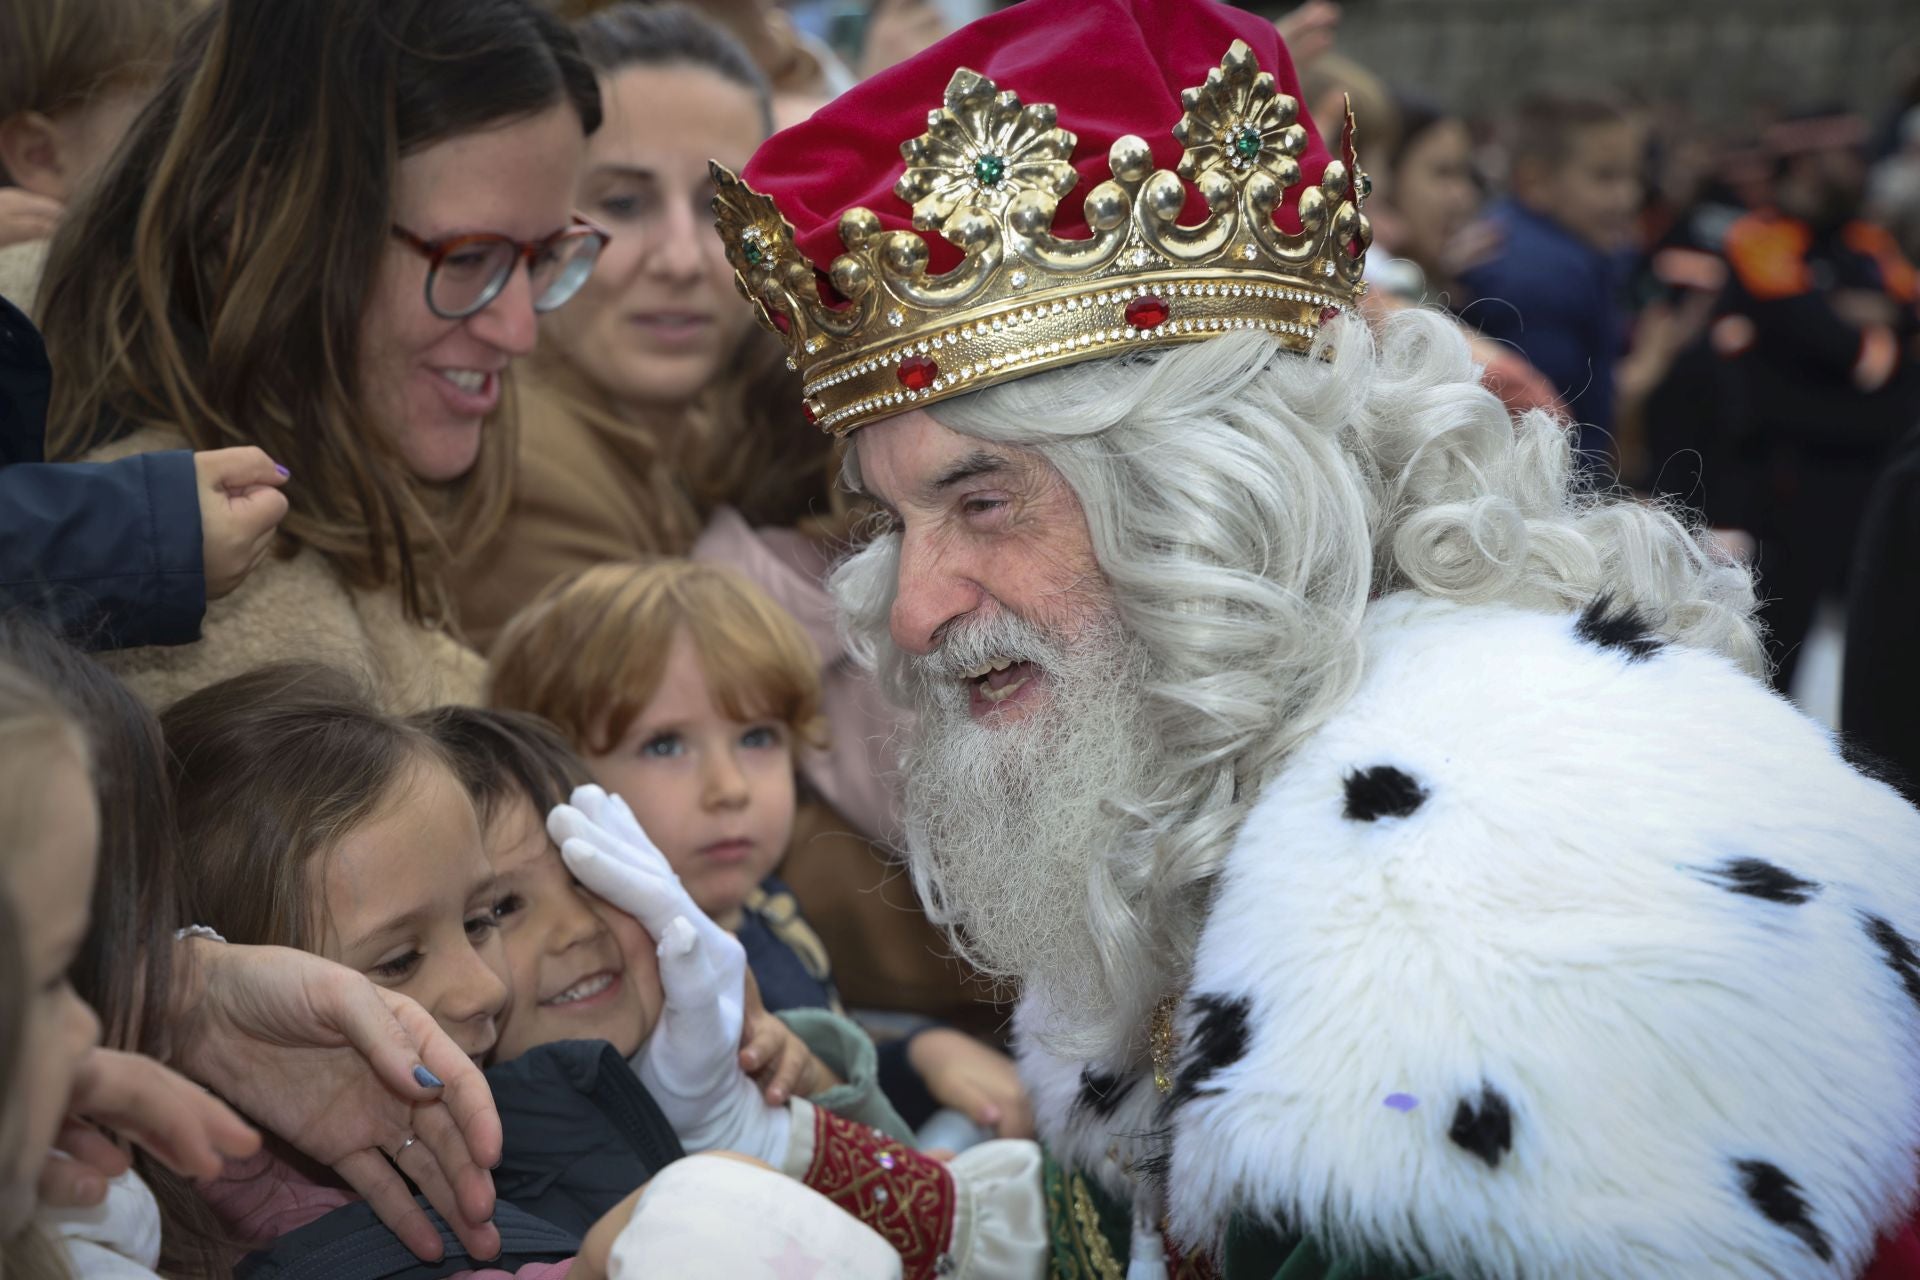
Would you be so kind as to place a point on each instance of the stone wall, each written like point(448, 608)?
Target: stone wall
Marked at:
point(1722, 58)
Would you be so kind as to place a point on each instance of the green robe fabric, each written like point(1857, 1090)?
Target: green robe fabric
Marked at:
point(1091, 1233)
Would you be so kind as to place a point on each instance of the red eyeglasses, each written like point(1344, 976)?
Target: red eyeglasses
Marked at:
point(465, 273)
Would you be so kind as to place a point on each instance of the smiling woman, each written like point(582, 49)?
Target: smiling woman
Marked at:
point(655, 381)
point(300, 247)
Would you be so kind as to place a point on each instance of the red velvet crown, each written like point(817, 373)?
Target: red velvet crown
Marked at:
point(1109, 67)
point(1140, 105)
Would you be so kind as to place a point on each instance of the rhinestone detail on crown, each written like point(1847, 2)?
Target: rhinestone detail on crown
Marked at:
point(988, 175)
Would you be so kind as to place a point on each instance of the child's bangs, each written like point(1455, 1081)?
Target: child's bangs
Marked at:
point(759, 664)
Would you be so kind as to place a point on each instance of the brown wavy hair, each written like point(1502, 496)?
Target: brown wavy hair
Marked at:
point(271, 770)
point(215, 280)
point(55, 54)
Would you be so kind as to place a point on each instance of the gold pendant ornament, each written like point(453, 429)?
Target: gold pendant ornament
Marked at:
point(1162, 1045)
point(988, 175)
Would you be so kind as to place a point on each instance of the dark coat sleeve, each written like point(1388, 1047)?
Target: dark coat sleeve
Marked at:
point(109, 553)
point(1880, 690)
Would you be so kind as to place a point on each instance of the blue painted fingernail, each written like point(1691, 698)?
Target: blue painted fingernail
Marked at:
point(284, 473)
point(427, 1080)
point(1402, 1102)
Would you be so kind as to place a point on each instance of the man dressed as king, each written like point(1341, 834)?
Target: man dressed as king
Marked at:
point(1402, 865)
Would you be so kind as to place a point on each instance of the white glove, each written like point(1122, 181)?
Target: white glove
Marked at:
point(691, 1062)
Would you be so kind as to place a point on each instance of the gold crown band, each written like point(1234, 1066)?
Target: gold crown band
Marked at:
point(1056, 331)
point(988, 174)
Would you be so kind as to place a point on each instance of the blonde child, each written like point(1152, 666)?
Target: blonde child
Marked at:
point(687, 691)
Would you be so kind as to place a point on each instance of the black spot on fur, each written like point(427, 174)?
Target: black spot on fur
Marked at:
point(1100, 1093)
point(1485, 1128)
point(1758, 878)
point(1626, 629)
point(1898, 952)
point(1778, 1197)
point(1382, 792)
point(1219, 1040)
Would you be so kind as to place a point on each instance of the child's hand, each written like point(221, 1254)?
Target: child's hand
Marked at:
point(241, 507)
point(777, 1059)
point(973, 1078)
point(25, 215)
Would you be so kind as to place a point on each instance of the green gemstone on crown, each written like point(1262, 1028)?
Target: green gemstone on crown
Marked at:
point(988, 170)
point(1246, 142)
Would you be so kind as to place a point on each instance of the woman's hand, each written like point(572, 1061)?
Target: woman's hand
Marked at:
point(1309, 30)
point(346, 1072)
point(973, 1078)
point(186, 1128)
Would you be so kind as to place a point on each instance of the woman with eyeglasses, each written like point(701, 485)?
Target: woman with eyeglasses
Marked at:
point(331, 235)
point(655, 399)
point(661, 420)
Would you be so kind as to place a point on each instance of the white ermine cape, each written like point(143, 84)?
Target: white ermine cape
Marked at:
point(1558, 953)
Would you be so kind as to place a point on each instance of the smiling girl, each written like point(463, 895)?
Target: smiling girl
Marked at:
point(310, 819)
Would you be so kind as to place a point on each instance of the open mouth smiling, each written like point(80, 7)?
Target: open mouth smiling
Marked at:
point(996, 681)
point(594, 984)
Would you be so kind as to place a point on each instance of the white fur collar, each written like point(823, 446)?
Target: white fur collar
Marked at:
point(1100, 1120)
point(1563, 953)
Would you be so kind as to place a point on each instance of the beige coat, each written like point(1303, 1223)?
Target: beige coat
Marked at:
point(21, 266)
point(591, 488)
point(297, 608)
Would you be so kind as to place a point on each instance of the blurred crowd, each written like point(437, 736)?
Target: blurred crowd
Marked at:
point(1724, 310)
point(244, 371)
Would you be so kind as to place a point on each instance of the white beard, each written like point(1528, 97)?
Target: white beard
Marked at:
point(1007, 826)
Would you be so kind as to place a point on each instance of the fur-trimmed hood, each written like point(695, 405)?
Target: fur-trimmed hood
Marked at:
point(1559, 952)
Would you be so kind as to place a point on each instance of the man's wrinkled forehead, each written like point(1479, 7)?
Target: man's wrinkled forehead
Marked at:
point(913, 461)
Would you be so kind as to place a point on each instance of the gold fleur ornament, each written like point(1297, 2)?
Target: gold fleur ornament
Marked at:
point(1239, 121)
point(981, 150)
point(883, 333)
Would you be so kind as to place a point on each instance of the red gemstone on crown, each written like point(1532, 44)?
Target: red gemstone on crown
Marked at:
point(1148, 311)
point(916, 373)
point(1328, 313)
point(806, 411)
point(781, 320)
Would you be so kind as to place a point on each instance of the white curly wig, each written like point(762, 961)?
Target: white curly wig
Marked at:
point(1245, 503)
